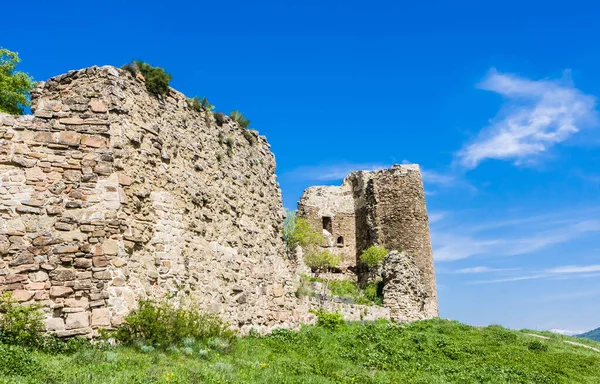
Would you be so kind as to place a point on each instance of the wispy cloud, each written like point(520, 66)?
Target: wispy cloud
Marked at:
point(436, 216)
point(455, 239)
point(482, 269)
point(438, 178)
point(575, 269)
point(509, 279)
point(566, 332)
point(563, 273)
point(537, 115)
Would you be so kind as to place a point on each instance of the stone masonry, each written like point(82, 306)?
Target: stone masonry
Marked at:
point(108, 194)
point(384, 207)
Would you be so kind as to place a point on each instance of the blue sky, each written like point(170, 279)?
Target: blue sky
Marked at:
point(497, 101)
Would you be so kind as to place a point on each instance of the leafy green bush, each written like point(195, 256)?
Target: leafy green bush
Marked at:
point(329, 320)
point(17, 361)
point(200, 105)
point(163, 325)
point(297, 231)
point(20, 324)
point(157, 80)
point(373, 256)
point(537, 346)
point(374, 292)
point(346, 289)
point(14, 86)
point(239, 118)
point(321, 261)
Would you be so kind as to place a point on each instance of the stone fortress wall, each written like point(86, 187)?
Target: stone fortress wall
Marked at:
point(386, 208)
point(108, 194)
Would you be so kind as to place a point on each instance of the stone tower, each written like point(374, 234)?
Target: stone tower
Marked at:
point(384, 207)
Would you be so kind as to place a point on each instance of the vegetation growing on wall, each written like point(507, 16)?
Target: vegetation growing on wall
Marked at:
point(373, 256)
point(156, 79)
point(14, 85)
point(239, 118)
point(322, 261)
point(200, 104)
point(297, 231)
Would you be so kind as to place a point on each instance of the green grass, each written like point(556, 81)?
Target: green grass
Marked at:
point(432, 351)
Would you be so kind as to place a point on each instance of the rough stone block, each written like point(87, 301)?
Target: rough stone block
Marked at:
point(93, 141)
point(69, 138)
point(98, 106)
point(100, 317)
point(66, 248)
point(77, 320)
point(100, 261)
point(22, 295)
point(60, 291)
point(62, 274)
point(55, 324)
point(110, 247)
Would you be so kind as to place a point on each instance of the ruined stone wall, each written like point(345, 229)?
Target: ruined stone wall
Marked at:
point(336, 203)
point(108, 194)
point(389, 210)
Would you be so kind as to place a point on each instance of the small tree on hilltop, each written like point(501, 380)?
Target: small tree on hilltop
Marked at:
point(14, 86)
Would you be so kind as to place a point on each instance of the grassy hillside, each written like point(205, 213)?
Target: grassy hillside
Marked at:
point(434, 351)
point(592, 335)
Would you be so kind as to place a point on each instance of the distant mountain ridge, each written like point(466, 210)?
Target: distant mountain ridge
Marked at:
point(592, 335)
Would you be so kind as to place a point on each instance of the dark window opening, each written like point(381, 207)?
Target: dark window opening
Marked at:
point(327, 224)
point(340, 240)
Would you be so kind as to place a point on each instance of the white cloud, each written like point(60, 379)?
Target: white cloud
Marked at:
point(482, 269)
point(437, 178)
point(514, 236)
point(575, 269)
point(451, 246)
point(537, 115)
point(434, 217)
point(509, 279)
point(566, 332)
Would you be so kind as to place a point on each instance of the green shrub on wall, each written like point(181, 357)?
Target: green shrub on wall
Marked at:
point(373, 256)
point(297, 231)
point(200, 105)
point(321, 261)
point(239, 118)
point(157, 80)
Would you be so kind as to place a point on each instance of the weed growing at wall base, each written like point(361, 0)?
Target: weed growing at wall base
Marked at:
point(163, 325)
